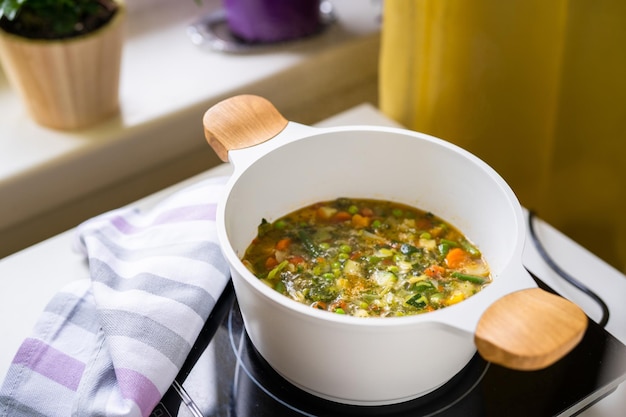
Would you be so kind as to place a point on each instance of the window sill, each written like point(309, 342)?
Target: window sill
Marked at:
point(52, 180)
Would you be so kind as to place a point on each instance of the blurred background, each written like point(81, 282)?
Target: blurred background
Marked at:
point(535, 88)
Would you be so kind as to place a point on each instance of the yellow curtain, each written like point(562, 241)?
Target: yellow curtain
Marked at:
point(536, 88)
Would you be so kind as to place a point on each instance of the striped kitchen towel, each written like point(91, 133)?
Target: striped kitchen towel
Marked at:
point(111, 345)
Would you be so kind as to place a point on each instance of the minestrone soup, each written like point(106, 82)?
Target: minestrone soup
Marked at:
point(367, 258)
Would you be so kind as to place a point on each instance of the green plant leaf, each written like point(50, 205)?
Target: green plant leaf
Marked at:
point(55, 19)
point(10, 8)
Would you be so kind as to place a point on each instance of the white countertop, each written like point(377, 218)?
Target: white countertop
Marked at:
point(167, 82)
point(29, 278)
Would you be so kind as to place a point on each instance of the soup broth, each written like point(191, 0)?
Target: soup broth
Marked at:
point(367, 258)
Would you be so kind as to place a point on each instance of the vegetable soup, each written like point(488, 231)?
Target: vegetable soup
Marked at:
point(367, 258)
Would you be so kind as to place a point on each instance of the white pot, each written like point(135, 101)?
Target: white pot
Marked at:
point(367, 361)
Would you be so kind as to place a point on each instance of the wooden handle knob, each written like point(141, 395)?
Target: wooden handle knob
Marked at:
point(529, 329)
point(240, 122)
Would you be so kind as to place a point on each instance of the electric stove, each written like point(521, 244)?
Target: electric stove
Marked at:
point(225, 376)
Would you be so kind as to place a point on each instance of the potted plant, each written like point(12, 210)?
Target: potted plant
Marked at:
point(63, 57)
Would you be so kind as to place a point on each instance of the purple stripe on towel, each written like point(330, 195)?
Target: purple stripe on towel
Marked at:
point(136, 387)
point(198, 212)
point(50, 362)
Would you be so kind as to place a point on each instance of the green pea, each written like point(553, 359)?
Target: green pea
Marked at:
point(280, 224)
point(280, 287)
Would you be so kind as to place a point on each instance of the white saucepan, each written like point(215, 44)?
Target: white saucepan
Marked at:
point(376, 361)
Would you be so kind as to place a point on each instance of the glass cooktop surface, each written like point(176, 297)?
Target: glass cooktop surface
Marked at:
point(225, 376)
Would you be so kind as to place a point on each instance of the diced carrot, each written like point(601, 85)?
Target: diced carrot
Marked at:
point(320, 305)
point(456, 257)
point(337, 304)
point(342, 216)
point(373, 308)
point(367, 212)
point(359, 221)
point(283, 244)
point(270, 263)
point(296, 260)
point(424, 224)
point(434, 271)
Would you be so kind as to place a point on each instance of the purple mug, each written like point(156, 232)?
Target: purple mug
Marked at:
point(259, 21)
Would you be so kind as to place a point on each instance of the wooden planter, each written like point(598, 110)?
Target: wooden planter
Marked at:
point(70, 83)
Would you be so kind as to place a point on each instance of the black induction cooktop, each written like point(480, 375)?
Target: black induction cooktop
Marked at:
point(225, 376)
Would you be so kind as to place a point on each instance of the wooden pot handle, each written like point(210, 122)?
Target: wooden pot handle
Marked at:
point(240, 122)
point(529, 329)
